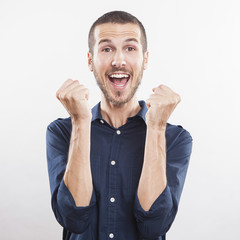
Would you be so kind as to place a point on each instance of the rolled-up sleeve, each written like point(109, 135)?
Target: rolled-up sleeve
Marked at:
point(158, 219)
point(73, 218)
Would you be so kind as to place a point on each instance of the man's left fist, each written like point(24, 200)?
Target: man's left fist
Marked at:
point(160, 106)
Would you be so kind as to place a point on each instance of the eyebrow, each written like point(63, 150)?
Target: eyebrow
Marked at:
point(103, 41)
point(109, 41)
point(131, 40)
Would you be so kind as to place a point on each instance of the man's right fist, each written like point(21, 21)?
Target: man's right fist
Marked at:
point(74, 98)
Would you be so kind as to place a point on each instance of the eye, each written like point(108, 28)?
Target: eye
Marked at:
point(107, 49)
point(130, 49)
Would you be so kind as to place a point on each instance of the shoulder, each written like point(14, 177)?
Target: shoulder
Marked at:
point(176, 134)
point(61, 127)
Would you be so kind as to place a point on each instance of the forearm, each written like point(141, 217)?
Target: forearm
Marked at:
point(78, 177)
point(153, 178)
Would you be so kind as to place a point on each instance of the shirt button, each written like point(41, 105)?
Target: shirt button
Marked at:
point(111, 235)
point(118, 132)
point(101, 121)
point(113, 162)
point(112, 199)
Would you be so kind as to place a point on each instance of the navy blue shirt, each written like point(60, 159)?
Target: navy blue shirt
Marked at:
point(116, 159)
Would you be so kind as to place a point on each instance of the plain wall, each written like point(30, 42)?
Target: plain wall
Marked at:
point(194, 49)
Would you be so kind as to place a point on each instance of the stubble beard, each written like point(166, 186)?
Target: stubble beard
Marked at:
point(118, 94)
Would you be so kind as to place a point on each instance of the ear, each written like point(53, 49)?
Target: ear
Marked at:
point(145, 64)
point(90, 59)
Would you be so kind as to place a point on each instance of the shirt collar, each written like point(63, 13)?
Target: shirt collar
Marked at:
point(96, 111)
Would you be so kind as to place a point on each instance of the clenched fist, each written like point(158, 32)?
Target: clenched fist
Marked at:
point(74, 98)
point(160, 106)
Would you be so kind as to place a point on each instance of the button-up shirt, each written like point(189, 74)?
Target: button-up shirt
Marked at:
point(116, 158)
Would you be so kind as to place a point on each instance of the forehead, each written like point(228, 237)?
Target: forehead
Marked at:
point(115, 30)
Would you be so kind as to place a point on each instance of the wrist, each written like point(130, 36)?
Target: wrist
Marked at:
point(157, 127)
point(81, 122)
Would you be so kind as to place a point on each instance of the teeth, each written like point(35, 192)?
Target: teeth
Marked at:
point(119, 75)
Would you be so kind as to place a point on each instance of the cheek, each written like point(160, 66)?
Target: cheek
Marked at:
point(137, 67)
point(99, 67)
point(136, 62)
point(103, 64)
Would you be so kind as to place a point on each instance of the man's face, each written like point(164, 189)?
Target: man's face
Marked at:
point(118, 60)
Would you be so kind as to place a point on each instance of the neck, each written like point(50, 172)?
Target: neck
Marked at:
point(117, 116)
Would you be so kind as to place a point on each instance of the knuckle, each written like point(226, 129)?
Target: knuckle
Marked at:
point(68, 96)
point(64, 96)
point(157, 90)
point(85, 91)
point(67, 82)
point(60, 96)
point(74, 95)
point(178, 98)
point(173, 100)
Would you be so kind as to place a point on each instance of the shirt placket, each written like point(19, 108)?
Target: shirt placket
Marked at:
point(112, 194)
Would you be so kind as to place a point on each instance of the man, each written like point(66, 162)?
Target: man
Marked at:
point(116, 171)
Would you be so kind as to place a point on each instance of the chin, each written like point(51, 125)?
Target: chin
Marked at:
point(119, 101)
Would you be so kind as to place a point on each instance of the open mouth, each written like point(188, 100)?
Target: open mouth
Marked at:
point(119, 80)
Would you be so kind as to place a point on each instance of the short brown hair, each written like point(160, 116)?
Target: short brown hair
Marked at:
point(120, 17)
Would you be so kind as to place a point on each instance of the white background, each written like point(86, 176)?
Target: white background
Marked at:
point(194, 49)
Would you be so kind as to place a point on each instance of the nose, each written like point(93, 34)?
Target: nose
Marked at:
point(118, 60)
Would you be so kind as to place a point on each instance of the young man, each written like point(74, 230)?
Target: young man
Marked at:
point(116, 171)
